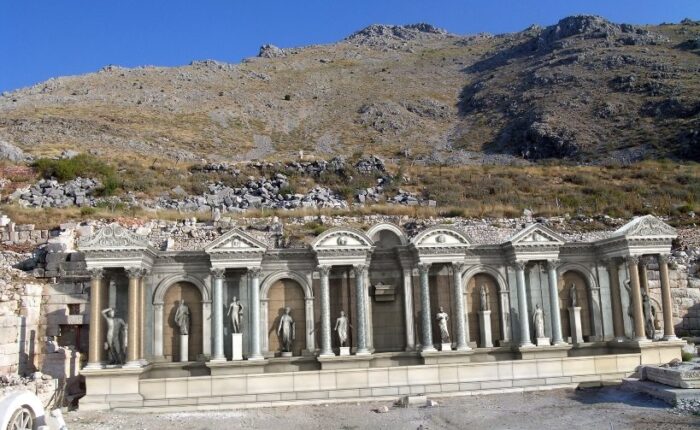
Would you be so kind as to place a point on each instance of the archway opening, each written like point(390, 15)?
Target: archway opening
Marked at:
point(176, 293)
point(286, 293)
point(474, 306)
point(569, 278)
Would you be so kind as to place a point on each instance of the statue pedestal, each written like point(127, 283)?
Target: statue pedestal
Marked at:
point(344, 350)
point(236, 346)
point(575, 321)
point(543, 341)
point(286, 354)
point(184, 348)
point(446, 347)
point(485, 329)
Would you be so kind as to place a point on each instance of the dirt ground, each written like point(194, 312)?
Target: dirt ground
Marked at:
point(603, 408)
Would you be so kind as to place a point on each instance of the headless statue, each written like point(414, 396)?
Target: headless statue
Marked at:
point(116, 343)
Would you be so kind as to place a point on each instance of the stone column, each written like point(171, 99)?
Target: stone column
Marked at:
point(133, 348)
point(408, 307)
point(217, 317)
point(158, 331)
point(326, 348)
point(522, 304)
point(643, 275)
point(142, 316)
point(638, 312)
point(254, 273)
point(618, 322)
point(462, 332)
point(555, 309)
point(669, 333)
point(359, 270)
point(97, 297)
point(426, 323)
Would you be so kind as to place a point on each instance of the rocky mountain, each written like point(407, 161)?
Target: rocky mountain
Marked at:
point(584, 89)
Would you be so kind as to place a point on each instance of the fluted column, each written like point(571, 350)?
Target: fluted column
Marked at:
point(557, 338)
point(637, 311)
point(522, 304)
point(217, 314)
point(326, 348)
point(142, 316)
point(97, 293)
point(462, 331)
point(133, 348)
point(669, 332)
point(616, 299)
point(426, 323)
point(254, 273)
point(359, 270)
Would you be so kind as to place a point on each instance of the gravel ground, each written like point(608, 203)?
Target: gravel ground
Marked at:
point(604, 408)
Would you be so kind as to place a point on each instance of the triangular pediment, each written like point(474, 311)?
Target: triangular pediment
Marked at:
point(113, 237)
point(536, 234)
point(441, 236)
point(645, 226)
point(234, 241)
point(341, 239)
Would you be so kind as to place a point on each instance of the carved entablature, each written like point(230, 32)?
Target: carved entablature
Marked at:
point(116, 246)
point(534, 242)
point(442, 243)
point(113, 237)
point(643, 235)
point(236, 249)
point(342, 246)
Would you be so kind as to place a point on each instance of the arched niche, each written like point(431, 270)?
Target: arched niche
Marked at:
point(583, 293)
point(163, 301)
point(191, 295)
point(387, 236)
point(473, 292)
point(282, 293)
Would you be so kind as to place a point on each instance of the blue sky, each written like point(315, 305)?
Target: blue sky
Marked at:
point(40, 39)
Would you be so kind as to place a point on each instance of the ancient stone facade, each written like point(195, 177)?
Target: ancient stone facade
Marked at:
point(390, 285)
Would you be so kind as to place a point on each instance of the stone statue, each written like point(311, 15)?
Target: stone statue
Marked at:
point(484, 298)
point(573, 297)
point(182, 318)
point(538, 321)
point(286, 330)
point(235, 310)
point(277, 230)
point(442, 319)
point(341, 327)
point(116, 343)
point(649, 329)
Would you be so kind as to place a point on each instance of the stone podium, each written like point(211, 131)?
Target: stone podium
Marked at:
point(485, 329)
point(344, 350)
point(575, 321)
point(236, 346)
point(184, 347)
point(446, 346)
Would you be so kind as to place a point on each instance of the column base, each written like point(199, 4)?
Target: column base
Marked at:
point(218, 359)
point(559, 343)
point(464, 348)
point(527, 344)
point(135, 364)
point(326, 354)
point(256, 357)
point(362, 352)
point(94, 366)
point(670, 338)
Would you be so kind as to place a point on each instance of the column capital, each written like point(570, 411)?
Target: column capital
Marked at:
point(458, 266)
point(663, 258)
point(424, 267)
point(217, 273)
point(134, 272)
point(520, 264)
point(359, 269)
point(324, 269)
point(254, 271)
point(553, 264)
point(97, 273)
point(632, 259)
